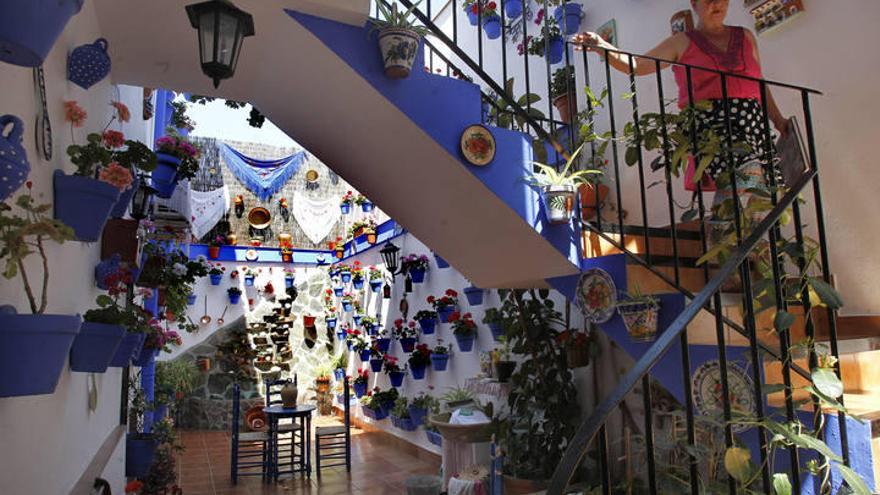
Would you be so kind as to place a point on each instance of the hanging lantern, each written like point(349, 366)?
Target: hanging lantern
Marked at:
point(142, 201)
point(389, 254)
point(222, 27)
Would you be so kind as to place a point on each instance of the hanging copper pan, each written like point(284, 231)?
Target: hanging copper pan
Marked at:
point(259, 217)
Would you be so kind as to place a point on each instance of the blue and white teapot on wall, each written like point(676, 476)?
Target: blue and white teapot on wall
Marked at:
point(88, 64)
point(14, 166)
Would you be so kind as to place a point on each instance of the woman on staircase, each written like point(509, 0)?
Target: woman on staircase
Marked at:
point(714, 45)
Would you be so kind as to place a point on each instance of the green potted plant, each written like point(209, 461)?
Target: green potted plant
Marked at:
point(501, 361)
point(639, 312)
point(399, 39)
point(558, 188)
point(400, 417)
point(420, 406)
point(340, 364)
point(174, 381)
point(562, 92)
point(100, 335)
point(440, 357)
point(177, 159)
point(33, 348)
point(495, 321)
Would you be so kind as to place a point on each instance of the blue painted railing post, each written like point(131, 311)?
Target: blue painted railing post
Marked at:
point(148, 372)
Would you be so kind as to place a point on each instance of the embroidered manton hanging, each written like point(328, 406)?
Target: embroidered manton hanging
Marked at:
point(262, 177)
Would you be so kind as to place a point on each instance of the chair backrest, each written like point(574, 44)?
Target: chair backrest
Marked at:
point(346, 406)
point(236, 411)
point(273, 390)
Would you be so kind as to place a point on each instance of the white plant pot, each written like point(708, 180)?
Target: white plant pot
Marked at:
point(399, 48)
point(559, 203)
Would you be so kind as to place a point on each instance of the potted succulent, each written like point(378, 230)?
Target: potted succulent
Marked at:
point(421, 405)
point(427, 320)
point(474, 295)
point(406, 334)
point(345, 207)
point(376, 279)
point(639, 312)
point(558, 189)
point(365, 204)
point(399, 39)
point(178, 159)
point(445, 305)
point(415, 266)
point(234, 294)
point(339, 364)
point(491, 21)
point(494, 319)
point(400, 417)
point(439, 357)
point(214, 246)
point(501, 361)
point(33, 347)
point(465, 330)
point(419, 361)
point(393, 370)
point(215, 273)
point(360, 383)
point(562, 92)
point(549, 43)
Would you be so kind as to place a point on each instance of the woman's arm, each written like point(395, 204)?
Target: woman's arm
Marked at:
point(669, 49)
point(779, 122)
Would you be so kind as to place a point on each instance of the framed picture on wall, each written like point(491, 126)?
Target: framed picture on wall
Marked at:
point(608, 32)
point(774, 13)
point(682, 21)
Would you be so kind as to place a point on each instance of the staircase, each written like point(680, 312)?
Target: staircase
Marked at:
point(314, 70)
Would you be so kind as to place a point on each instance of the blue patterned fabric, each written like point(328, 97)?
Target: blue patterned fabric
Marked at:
point(262, 177)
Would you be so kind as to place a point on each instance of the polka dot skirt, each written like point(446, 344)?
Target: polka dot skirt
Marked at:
point(747, 124)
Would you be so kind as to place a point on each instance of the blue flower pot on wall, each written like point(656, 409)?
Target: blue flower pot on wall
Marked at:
point(331, 323)
point(513, 9)
point(121, 206)
point(249, 280)
point(234, 298)
point(375, 285)
point(347, 306)
point(465, 344)
point(396, 378)
point(556, 50)
point(357, 319)
point(473, 17)
point(216, 279)
point(496, 330)
point(407, 344)
point(345, 208)
point(338, 291)
point(339, 374)
point(434, 437)
point(417, 275)
point(88, 64)
point(345, 277)
point(164, 176)
point(29, 28)
point(444, 312)
point(418, 372)
point(492, 26)
point(340, 335)
point(376, 364)
point(33, 351)
point(139, 452)
point(383, 345)
point(191, 299)
point(474, 295)
point(428, 325)
point(14, 165)
point(358, 283)
point(365, 355)
point(439, 361)
point(83, 204)
point(441, 263)
point(572, 12)
point(95, 346)
point(288, 283)
point(367, 206)
point(105, 269)
point(360, 389)
point(417, 414)
point(129, 348)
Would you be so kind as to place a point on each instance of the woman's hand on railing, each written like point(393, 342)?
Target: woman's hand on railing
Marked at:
point(591, 42)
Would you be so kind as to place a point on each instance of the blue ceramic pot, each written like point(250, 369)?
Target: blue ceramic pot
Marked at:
point(345, 208)
point(365, 355)
point(473, 18)
point(465, 344)
point(428, 325)
point(88, 64)
point(129, 348)
point(496, 330)
point(444, 312)
point(160, 412)
point(367, 206)
point(216, 279)
point(407, 344)
point(371, 329)
point(138, 455)
point(105, 269)
point(14, 165)
point(288, 282)
point(434, 437)
point(572, 13)
point(147, 356)
point(190, 299)
point(383, 345)
point(418, 275)
point(339, 374)
point(513, 9)
point(439, 361)
point(418, 372)
point(386, 407)
point(492, 26)
point(441, 263)
point(338, 291)
point(348, 344)
point(83, 204)
point(29, 28)
point(340, 335)
point(417, 414)
point(474, 295)
point(360, 389)
point(33, 351)
point(234, 298)
point(396, 378)
point(357, 319)
point(95, 346)
point(331, 322)
point(345, 277)
point(358, 283)
point(121, 206)
point(376, 365)
point(164, 176)
point(556, 50)
point(375, 285)
point(405, 424)
point(249, 280)
point(347, 306)
point(333, 273)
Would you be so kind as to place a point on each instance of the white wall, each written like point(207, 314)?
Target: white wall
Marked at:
point(827, 48)
point(50, 439)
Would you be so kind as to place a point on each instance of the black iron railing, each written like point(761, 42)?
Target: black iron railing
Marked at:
point(780, 232)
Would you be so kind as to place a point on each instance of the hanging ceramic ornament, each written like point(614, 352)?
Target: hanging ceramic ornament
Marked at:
point(43, 133)
point(88, 64)
point(14, 166)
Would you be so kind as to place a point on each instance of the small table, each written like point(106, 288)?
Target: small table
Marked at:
point(301, 412)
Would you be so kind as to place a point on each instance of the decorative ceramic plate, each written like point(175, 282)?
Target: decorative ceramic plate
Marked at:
point(311, 175)
point(708, 396)
point(596, 295)
point(478, 145)
point(251, 255)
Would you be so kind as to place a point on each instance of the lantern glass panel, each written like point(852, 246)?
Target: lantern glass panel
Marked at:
point(206, 36)
point(226, 41)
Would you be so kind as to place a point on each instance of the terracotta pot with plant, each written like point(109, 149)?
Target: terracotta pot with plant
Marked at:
point(563, 93)
point(214, 247)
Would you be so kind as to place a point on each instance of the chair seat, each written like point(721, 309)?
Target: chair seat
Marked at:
point(288, 427)
point(323, 431)
point(253, 436)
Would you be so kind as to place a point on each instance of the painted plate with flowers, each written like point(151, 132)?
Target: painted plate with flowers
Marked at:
point(251, 255)
point(708, 396)
point(478, 145)
point(596, 295)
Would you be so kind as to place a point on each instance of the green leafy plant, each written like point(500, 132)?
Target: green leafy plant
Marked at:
point(394, 18)
point(401, 408)
point(340, 362)
point(501, 112)
point(457, 394)
point(23, 235)
point(549, 176)
point(177, 377)
point(563, 82)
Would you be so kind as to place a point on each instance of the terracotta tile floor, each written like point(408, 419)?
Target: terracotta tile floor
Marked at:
point(380, 465)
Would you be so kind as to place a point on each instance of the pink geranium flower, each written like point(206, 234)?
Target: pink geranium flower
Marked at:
point(116, 175)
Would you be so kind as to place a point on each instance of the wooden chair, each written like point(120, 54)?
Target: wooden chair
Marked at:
point(291, 447)
point(246, 446)
point(333, 443)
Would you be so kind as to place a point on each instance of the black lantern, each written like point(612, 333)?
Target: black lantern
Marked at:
point(142, 201)
point(389, 254)
point(222, 27)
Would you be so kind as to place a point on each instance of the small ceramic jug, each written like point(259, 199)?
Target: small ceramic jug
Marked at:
point(289, 394)
point(88, 64)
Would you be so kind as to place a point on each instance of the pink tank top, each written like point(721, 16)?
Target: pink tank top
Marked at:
point(738, 59)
